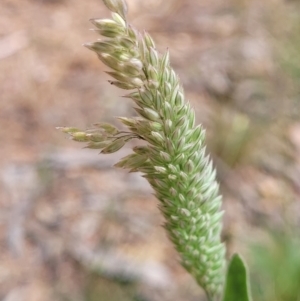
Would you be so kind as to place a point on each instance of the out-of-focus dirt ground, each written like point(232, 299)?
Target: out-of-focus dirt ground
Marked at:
point(74, 228)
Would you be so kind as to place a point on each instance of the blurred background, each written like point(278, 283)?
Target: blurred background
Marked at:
point(72, 228)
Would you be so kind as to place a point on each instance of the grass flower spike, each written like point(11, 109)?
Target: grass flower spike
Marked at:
point(174, 160)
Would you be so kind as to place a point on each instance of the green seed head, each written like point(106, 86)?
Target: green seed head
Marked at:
point(173, 159)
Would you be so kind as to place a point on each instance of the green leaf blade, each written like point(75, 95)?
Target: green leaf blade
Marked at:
point(237, 287)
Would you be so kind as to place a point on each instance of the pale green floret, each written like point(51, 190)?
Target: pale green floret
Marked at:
point(108, 28)
point(117, 6)
point(114, 146)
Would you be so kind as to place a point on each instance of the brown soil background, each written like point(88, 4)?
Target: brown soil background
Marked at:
point(74, 228)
